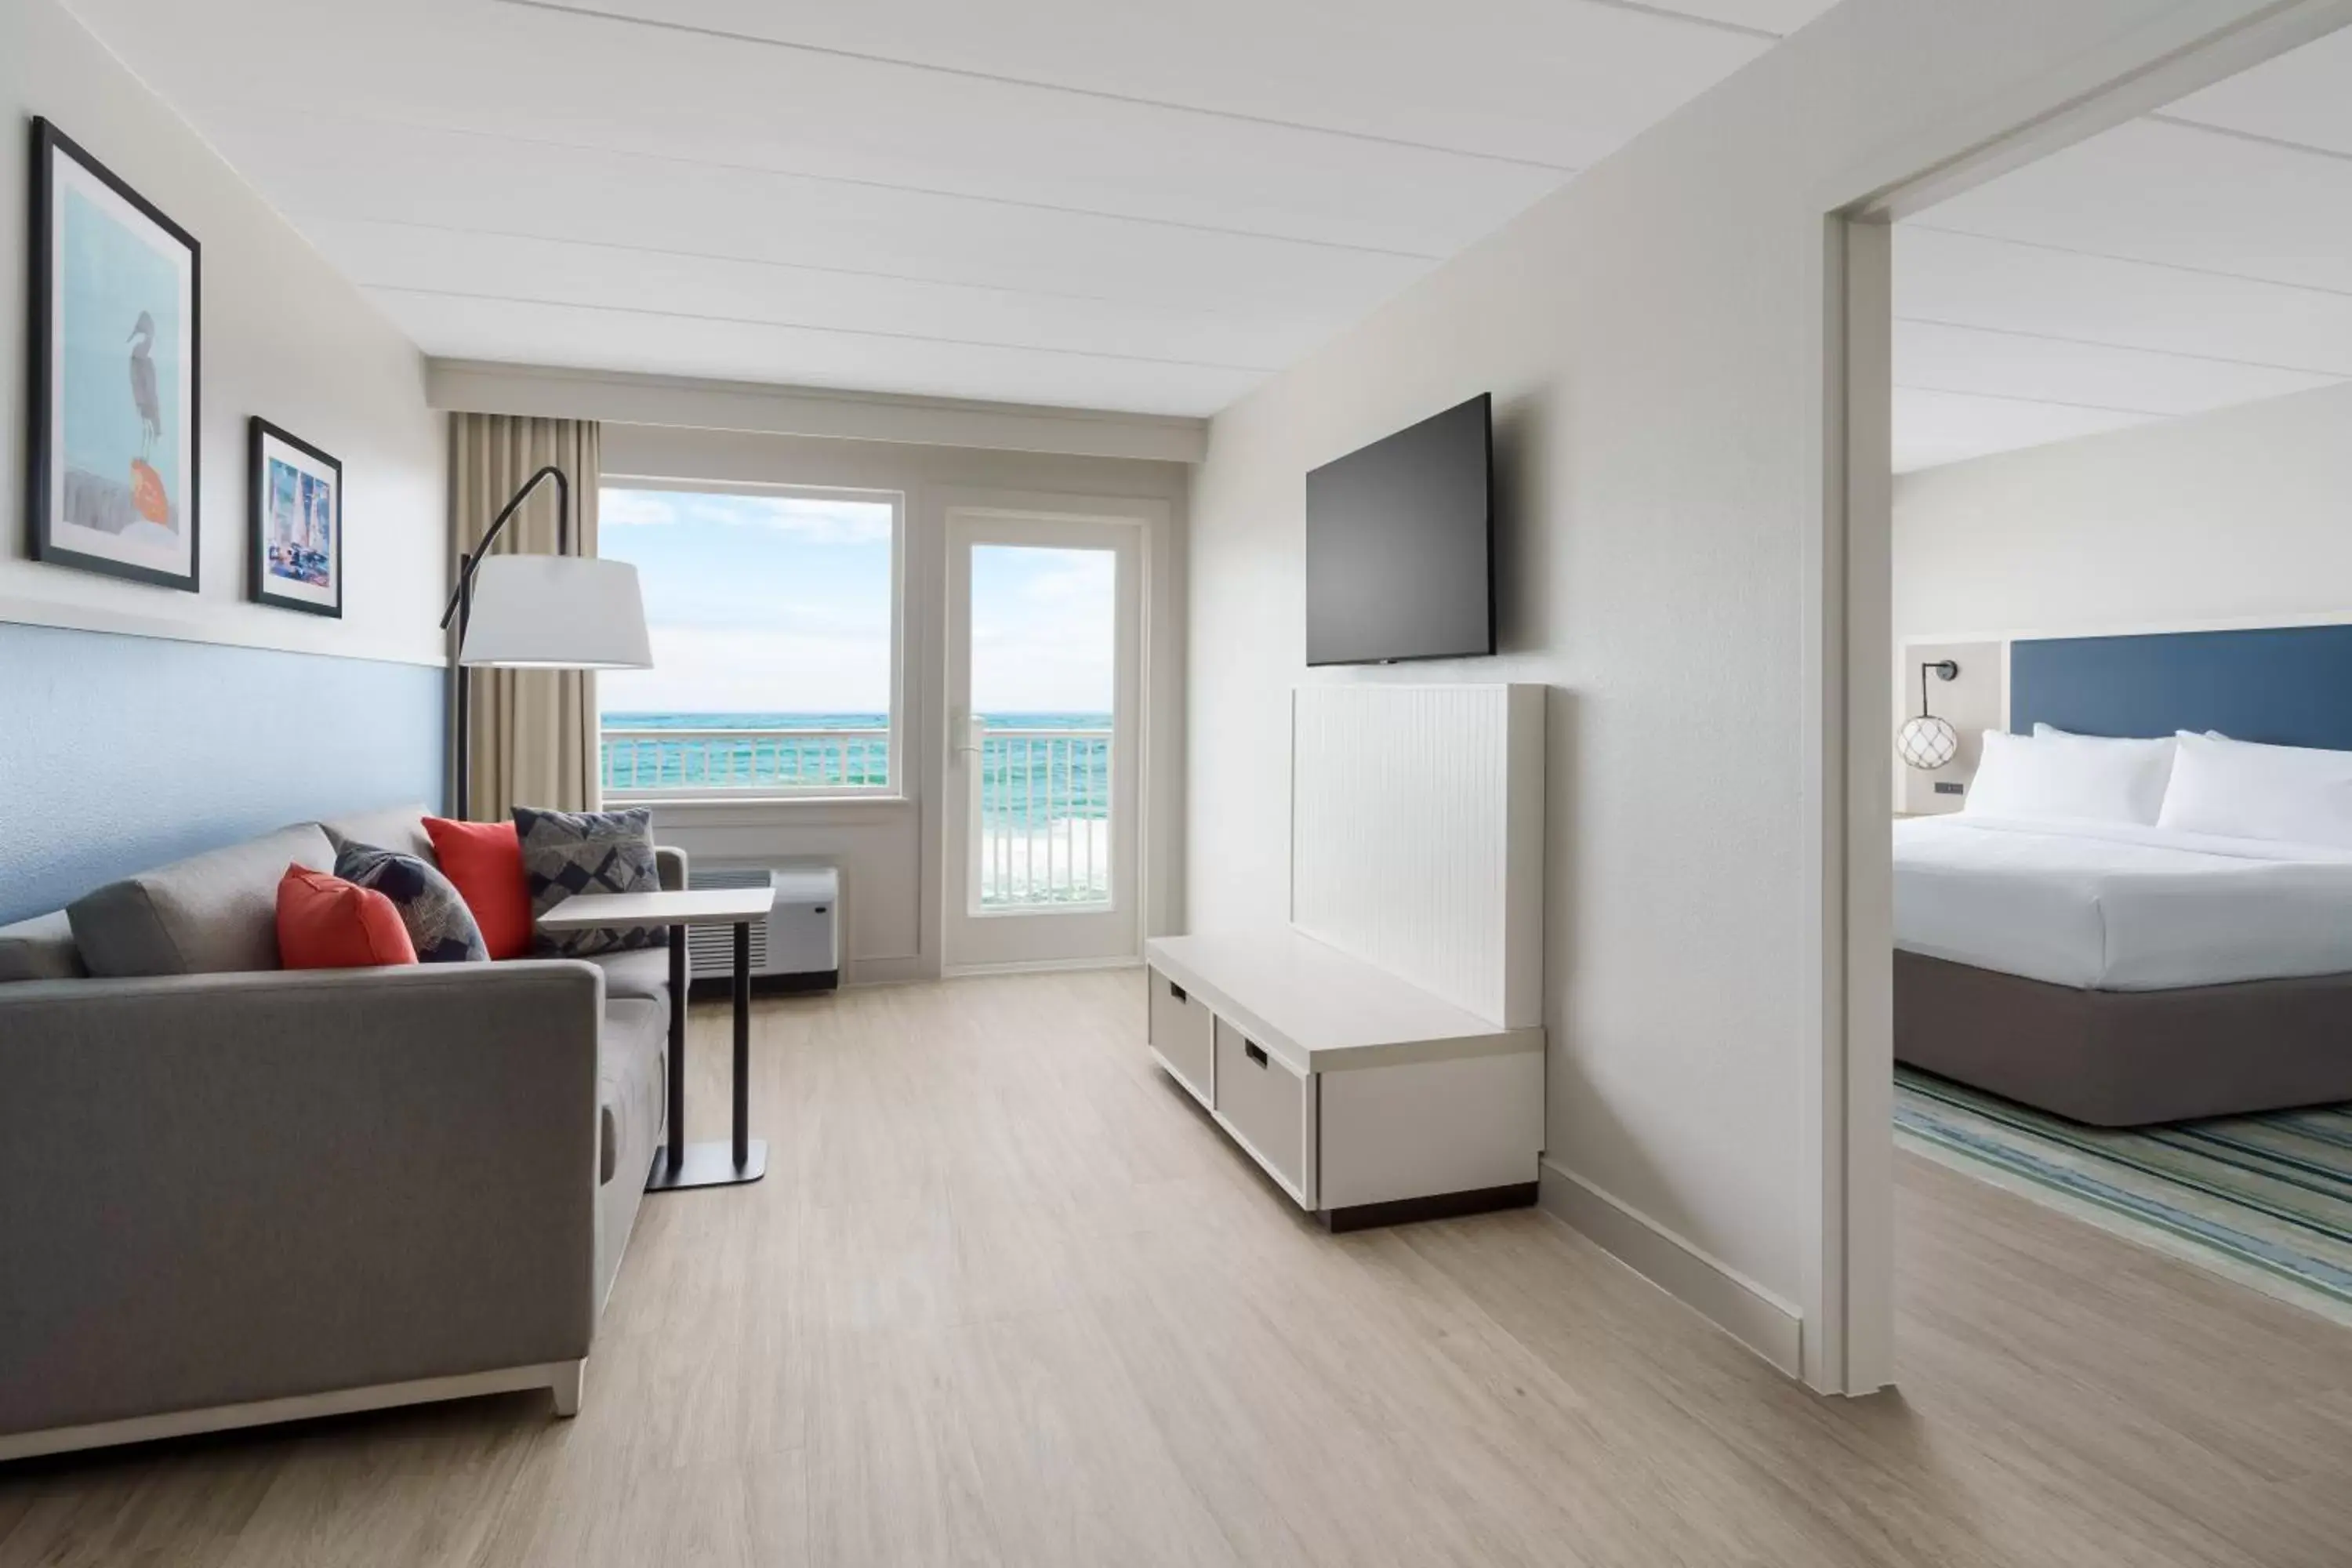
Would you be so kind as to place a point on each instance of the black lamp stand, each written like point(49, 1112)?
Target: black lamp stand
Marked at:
point(461, 609)
point(1945, 668)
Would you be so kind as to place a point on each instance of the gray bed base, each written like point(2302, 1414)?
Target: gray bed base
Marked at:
point(2124, 1058)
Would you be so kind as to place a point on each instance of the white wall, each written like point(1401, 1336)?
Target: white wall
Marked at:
point(139, 724)
point(890, 850)
point(2242, 516)
point(1974, 700)
point(1654, 337)
point(284, 337)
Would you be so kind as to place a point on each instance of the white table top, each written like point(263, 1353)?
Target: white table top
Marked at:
point(695, 905)
point(1321, 1009)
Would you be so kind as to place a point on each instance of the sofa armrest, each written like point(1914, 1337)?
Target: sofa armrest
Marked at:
point(671, 864)
point(222, 1188)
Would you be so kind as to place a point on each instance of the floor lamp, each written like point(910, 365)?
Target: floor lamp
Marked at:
point(540, 612)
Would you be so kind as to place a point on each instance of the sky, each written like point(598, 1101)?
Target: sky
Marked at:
point(1042, 629)
point(782, 604)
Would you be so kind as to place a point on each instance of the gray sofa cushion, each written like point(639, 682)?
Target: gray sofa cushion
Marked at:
point(641, 974)
point(217, 1189)
point(629, 1092)
point(400, 828)
point(42, 948)
point(211, 914)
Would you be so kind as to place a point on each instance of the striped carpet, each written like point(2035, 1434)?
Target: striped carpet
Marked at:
point(2264, 1200)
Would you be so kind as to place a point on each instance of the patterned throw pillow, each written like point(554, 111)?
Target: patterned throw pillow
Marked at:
point(430, 906)
point(568, 852)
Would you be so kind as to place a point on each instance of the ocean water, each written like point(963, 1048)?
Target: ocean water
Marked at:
point(1044, 783)
point(1036, 777)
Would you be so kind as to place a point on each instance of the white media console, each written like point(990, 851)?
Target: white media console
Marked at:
point(1382, 1056)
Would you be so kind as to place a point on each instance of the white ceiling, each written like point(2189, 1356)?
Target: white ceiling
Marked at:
point(1136, 204)
point(2189, 260)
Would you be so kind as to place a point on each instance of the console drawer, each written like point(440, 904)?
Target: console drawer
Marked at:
point(1267, 1106)
point(1183, 1032)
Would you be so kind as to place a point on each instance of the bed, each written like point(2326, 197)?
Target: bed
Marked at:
point(2118, 972)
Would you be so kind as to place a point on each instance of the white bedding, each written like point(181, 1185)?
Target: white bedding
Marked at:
point(2119, 906)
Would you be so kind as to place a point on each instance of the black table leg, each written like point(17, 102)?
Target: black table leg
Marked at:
point(742, 1044)
point(677, 1086)
point(742, 1158)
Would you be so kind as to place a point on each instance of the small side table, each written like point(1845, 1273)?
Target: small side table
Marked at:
point(711, 1164)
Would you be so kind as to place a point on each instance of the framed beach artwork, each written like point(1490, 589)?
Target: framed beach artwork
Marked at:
point(111, 444)
point(297, 523)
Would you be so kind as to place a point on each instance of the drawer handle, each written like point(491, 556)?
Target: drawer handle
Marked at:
point(1176, 991)
point(1256, 1053)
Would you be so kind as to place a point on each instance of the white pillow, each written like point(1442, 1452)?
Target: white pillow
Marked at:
point(2041, 730)
point(2082, 777)
point(2295, 793)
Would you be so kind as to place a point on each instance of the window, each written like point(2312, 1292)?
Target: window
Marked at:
point(774, 620)
point(1043, 663)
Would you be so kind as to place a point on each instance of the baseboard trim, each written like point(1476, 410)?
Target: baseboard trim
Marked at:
point(1772, 1328)
point(1038, 966)
point(898, 971)
point(561, 1377)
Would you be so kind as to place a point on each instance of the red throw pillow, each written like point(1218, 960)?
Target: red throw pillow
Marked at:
point(325, 922)
point(484, 860)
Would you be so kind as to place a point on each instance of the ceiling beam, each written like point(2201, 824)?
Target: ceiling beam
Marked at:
point(475, 387)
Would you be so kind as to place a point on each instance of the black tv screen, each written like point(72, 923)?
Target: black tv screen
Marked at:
point(1400, 544)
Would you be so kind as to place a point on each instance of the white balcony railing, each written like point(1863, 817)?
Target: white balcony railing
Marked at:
point(688, 763)
point(1044, 815)
point(1044, 810)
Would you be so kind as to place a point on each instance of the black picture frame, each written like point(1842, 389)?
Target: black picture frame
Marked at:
point(45, 484)
point(259, 432)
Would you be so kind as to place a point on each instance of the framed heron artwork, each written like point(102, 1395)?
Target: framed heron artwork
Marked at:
point(297, 523)
point(112, 439)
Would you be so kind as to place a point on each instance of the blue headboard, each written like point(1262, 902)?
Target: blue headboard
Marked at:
point(2286, 686)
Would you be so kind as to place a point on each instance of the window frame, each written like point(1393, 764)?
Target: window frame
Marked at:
point(896, 789)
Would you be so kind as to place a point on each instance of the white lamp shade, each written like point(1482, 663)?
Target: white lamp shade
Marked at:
point(556, 612)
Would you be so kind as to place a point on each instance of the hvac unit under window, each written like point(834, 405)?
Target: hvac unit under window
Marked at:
point(800, 940)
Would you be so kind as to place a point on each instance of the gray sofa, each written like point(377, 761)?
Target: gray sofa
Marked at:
point(233, 1194)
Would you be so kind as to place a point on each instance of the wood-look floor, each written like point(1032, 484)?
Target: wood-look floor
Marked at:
point(1006, 1297)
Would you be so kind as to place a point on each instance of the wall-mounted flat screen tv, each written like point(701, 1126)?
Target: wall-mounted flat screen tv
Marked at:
point(1400, 544)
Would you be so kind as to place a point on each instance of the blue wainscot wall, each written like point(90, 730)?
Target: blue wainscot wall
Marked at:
point(122, 752)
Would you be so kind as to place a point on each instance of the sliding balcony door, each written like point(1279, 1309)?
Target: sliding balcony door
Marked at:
point(1045, 657)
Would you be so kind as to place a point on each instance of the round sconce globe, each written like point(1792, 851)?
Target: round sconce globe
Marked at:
point(1928, 741)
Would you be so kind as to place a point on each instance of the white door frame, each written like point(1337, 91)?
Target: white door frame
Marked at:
point(1146, 521)
point(1848, 732)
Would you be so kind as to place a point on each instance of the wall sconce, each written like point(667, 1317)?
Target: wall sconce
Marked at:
point(1926, 741)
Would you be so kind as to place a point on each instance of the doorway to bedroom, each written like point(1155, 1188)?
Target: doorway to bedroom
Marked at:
point(2118, 743)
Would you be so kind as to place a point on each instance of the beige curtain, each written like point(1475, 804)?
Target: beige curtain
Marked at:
point(533, 730)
